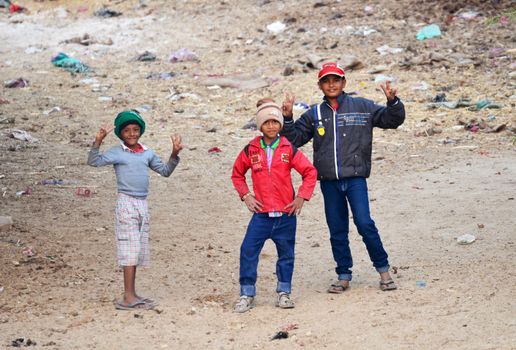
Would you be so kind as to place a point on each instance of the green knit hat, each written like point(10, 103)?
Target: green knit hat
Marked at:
point(128, 117)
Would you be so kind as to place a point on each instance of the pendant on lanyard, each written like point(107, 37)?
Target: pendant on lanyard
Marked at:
point(320, 127)
point(320, 130)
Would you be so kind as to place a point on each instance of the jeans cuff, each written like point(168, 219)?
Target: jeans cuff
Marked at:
point(383, 269)
point(284, 287)
point(345, 277)
point(248, 290)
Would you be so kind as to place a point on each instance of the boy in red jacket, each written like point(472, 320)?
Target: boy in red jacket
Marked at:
point(274, 204)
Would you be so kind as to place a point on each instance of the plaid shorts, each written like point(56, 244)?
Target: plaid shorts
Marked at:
point(132, 231)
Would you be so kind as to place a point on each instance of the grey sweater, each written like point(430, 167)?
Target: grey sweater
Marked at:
point(132, 169)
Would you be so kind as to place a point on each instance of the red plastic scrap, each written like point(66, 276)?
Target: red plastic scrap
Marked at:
point(13, 8)
point(214, 150)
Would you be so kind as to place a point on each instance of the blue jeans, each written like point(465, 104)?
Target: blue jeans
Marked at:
point(282, 231)
point(337, 194)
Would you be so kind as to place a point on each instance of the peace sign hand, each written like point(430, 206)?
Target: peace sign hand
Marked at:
point(389, 91)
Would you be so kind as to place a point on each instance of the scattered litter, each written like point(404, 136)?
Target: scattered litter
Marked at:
point(440, 97)
point(377, 69)
point(428, 32)
point(468, 15)
point(276, 27)
point(301, 106)
point(368, 9)
point(22, 135)
point(280, 335)
point(386, 49)
point(485, 104)
point(241, 82)
point(72, 65)
point(421, 283)
point(55, 182)
point(19, 342)
point(25, 192)
point(289, 327)
point(105, 98)
point(364, 31)
point(183, 55)
point(100, 87)
point(14, 8)
point(146, 56)
point(83, 192)
point(381, 78)
point(461, 102)
point(466, 239)
point(143, 108)
point(421, 86)
point(214, 150)
point(16, 83)
point(157, 76)
point(86, 40)
point(175, 96)
point(52, 110)
point(106, 13)
point(29, 252)
point(31, 50)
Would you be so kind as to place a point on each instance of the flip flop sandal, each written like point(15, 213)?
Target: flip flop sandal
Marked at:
point(137, 305)
point(337, 288)
point(388, 285)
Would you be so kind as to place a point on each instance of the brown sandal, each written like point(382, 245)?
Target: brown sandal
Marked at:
point(337, 288)
point(386, 285)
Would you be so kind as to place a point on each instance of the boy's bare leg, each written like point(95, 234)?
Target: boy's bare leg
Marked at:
point(129, 285)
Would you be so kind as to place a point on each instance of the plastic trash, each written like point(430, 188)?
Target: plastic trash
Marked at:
point(280, 335)
point(386, 49)
point(466, 239)
point(381, 78)
point(422, 86)
point(25, 192)
point(72, 65)
point(276, 27)
point(146, 56)
point(22, 135)
point(183, 55)
point(16, 83)
point(301, 106)
point(83, 192)
point(214, 150)
point(163, 75)
point(106, 13)
point(428, 32)
point(421, 283)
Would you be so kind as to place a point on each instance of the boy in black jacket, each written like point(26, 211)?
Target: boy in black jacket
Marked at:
point(342, 129)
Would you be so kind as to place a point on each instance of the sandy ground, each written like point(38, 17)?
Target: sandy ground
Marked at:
point(433, 179)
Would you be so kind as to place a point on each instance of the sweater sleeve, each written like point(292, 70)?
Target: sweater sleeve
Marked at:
point(97, 159)
point(308, 174)
point(161, 168)
point(299, 132)
point(390, 116)
point(242, 164)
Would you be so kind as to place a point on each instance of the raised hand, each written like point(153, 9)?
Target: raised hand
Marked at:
point(177, 146)
point(288, 104)
point(102, 133)
point(389, 91)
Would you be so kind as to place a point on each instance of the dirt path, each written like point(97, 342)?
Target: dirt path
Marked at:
point(432, 181)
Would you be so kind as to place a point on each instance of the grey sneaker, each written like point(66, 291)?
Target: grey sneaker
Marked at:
point(245, 303)
point(284, 301)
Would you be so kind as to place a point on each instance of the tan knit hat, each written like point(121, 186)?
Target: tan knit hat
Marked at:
point(268, 111)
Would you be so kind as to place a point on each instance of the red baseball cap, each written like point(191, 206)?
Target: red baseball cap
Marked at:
point(330, 68)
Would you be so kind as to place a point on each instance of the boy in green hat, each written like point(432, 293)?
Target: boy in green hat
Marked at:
point(131, 161)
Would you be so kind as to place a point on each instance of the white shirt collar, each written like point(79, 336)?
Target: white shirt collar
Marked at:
point(125, 148)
